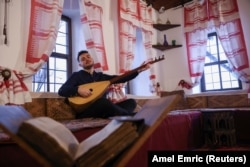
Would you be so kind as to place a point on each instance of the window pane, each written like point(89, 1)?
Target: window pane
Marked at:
point(225, 76)
point(34, 87)
point(207, 59)
point(61, 76)
point(233, 77)
point(207, 69)
point(215, 68)
point(209, 86)
point(213, 50)
point(223, 56)
point(235, 84)
point(52, 76)
point(61, 39)
point(212, 40)
point(226, 84)
point(41, 75)
point(52, 87)
point(208, 78)
point(63, 26)
point(61, 49)
point(222, 53)
point(214, 57)
point(40, 87)
point(217, 72)
point(61, 64)
point(211, 58)
point(52, 63)
point(216, 77)
point(57, 87)
point(225, 67)
point(217, 85)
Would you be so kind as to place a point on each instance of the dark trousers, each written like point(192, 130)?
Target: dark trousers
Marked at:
point(104, 108)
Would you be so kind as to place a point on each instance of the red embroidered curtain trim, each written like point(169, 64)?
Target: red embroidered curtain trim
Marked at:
point(45, 17)
point(91, 20)
point(224, 16)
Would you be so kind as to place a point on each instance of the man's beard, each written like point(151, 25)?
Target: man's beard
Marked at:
point(88, 67)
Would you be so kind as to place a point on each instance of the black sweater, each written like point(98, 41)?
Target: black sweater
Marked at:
point(70, 87)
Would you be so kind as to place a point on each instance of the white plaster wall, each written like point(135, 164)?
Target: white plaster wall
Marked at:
point(175, 67)
point(12, 53)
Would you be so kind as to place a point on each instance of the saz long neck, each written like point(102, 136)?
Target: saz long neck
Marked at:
point(113, 80)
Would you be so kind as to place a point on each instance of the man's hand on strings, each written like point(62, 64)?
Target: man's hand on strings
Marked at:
point(84, 92)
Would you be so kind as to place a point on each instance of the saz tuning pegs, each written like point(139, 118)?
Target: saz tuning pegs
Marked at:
point(159, 58)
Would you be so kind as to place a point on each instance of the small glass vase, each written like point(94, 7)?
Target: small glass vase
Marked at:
point(165, 43)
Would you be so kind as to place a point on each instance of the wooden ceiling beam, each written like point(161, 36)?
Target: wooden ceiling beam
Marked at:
point(168, 4)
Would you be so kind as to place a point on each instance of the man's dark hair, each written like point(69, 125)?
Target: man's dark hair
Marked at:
point(81, 52)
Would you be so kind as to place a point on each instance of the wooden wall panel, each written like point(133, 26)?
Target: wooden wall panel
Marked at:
point(197, 102)
point(225, 101)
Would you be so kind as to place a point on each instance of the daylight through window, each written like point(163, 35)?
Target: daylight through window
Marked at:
point(217, 73)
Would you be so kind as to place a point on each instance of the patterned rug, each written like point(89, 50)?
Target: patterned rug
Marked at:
point(78, 124)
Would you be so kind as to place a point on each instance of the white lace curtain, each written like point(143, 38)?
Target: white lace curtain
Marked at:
point(134, 14)
point(222, 15)
point(91, 19)
point(45, 16)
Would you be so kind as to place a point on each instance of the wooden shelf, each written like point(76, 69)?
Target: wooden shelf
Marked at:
point(162, 47)
point(162, 27)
